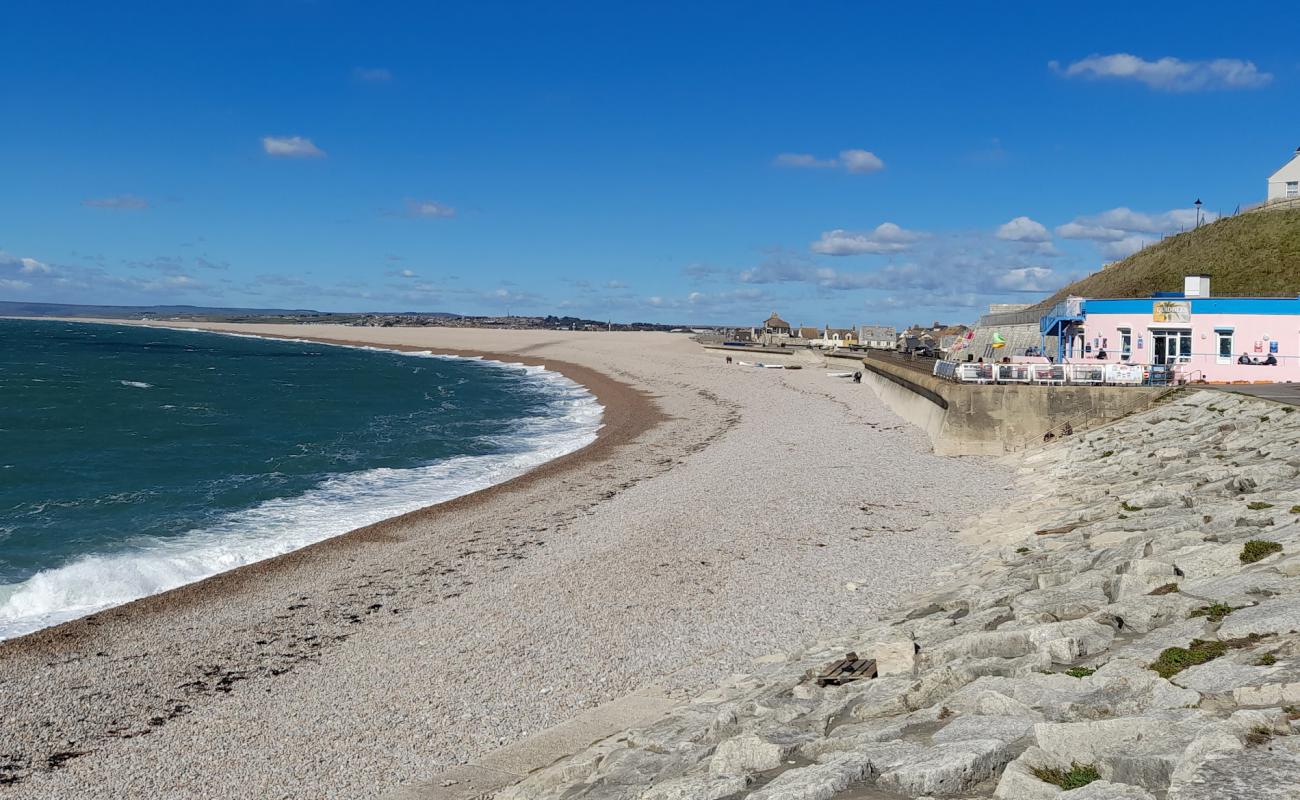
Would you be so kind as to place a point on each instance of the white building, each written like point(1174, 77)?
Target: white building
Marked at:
point(882, 337)
point(1285, 183)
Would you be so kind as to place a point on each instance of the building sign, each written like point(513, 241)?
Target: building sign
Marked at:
point(1172, 311)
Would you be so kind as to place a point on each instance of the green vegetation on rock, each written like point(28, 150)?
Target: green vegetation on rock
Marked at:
point(1078, 776)
point(1174, 660)
point(1266, 660)
point(1256, 549)
point(1258, 505)
point(1080, 672)
point(1215, 611)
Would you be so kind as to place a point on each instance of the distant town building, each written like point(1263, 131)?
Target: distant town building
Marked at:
point(880, 337)
point(808, 333)
point(839, 336)
point(774, 325)
point(1285, 183)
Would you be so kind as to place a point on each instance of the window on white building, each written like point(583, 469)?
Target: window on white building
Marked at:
point(1293, 188)
point(1125, 343)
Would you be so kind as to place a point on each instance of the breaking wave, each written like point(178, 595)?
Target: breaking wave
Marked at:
point(336, 505)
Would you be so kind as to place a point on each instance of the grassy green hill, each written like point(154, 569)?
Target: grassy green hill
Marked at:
point(1253, 255)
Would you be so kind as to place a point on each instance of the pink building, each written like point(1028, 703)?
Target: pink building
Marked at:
point(1195, 336)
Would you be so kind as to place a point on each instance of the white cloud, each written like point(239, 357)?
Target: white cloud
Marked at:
point(804, 160)
point(1168, 74)
point(428, 209)
point(291, 147)
point(408, 273)
point(1121, 223)
point(1024, 229)
point(31, 266)
point(1127, 246)
point(860, 162)
point(886, 238)
point(372, 74)
point(615, 285)
point(123, 202)
point(14, 285)
point(1027, 279)
point(1121, 232)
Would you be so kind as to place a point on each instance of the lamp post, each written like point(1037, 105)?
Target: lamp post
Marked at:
point(1198, 211)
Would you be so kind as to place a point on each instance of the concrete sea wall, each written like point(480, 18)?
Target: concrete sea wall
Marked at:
point(967, 419)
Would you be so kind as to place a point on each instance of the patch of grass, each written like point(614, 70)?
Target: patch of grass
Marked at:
point(1125, 505)
point(1107, 454)
point(1295, 509)
point(1079, 672)
point(1292, 712)
point(1263, 419)
point(1256, 549)
point(1078, 776)
point(1215, 611)
point(1173, 660)
point(1022, 550)
point(1168, 588)
point(1266, 660)
point(1287, 409)
point(1258, 505)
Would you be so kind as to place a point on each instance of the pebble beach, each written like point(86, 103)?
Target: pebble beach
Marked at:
point(723, 514)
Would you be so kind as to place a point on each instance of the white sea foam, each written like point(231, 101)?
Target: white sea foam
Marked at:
point(137, 384)
point(337, 505)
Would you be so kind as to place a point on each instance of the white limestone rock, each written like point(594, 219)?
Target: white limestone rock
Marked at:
point(1147, 613)
point(697, 788)
point(983, 726)
point(1269, 771)
point(1105, 790)
point(947, 769)
point(895, 656)
point(1061, 603)
point(1241, 589)
point(1139, 750)
point(1018, 781)
point(1281, 615)
point(824, 780)
point(756, 752)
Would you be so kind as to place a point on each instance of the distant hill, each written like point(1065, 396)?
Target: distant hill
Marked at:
point(1255, 254)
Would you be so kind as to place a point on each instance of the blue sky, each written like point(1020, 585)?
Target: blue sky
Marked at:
point(673, 162)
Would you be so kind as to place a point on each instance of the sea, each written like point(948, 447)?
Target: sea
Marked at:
point(134, 460)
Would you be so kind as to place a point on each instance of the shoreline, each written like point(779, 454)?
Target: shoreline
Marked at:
point(626, 414)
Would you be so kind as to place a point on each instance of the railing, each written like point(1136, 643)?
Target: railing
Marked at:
point(1091, 374)
point(1279, 204)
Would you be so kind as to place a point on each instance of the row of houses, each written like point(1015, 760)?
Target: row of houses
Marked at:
point(937, 337)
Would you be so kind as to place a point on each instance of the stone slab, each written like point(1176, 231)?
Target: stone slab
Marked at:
point(509, 764)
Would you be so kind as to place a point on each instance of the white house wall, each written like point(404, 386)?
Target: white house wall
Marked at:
point(1278, 180)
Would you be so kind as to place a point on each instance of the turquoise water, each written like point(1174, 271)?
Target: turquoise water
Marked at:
point(134, 460)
